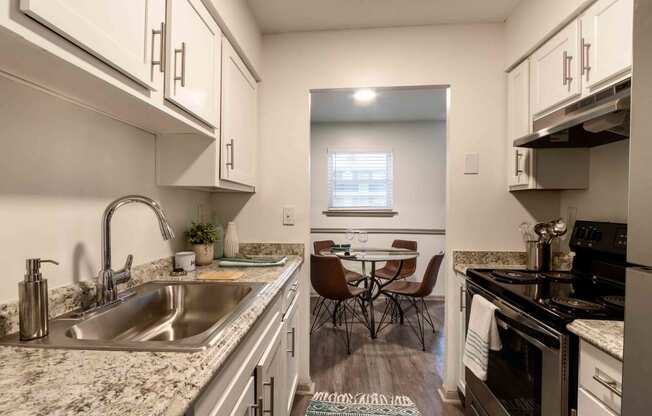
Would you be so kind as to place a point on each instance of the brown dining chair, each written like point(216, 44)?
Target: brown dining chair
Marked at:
point(352, 277)
point(328, 278)
point(408, 267)
point(414, 294)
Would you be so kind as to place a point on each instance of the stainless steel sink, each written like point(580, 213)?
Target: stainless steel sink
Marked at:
point(159, 316)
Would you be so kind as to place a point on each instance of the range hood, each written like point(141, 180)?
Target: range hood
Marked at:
point(593, 121)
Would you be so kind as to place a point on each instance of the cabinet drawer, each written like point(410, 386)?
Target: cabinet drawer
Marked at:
point(587, 405)
point(597, 371)
point(291, 289)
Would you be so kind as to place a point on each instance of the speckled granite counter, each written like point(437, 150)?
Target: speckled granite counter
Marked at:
point(76, 382)
point(605, 335)
point(463, 260)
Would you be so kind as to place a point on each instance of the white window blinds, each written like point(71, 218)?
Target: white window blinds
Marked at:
point(360, 180)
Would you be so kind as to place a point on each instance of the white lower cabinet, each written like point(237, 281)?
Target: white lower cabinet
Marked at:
point(460, 281)
point(255, 379)
point(587, 405)
point(601, 376)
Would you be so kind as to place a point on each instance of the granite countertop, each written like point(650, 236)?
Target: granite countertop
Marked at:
point(463, 260)
point(607, 336)
point(75, 382)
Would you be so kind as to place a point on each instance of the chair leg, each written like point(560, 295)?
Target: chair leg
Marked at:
point(318, 321)
point(320, 301)
point(347, 328)
point(418, 326)
point(427, 315)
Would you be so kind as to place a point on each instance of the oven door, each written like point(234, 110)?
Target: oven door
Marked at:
point(529, 375)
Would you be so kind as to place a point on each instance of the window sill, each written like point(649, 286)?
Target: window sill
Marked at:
point(360, 213)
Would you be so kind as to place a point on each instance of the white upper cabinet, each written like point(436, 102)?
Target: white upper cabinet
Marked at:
point(519, 124)
point(606, 41)
point(555, 70)
point(239, 128)
point(192, 79)
point(125, 34)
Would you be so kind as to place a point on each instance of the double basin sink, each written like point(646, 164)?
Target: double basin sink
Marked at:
point(156, 316)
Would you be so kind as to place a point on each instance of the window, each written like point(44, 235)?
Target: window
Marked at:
point(360, 180)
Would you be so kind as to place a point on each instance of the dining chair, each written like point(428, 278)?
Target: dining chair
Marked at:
point(414, 294)
point(408, 267)
point(352, 277)
point(328, 278)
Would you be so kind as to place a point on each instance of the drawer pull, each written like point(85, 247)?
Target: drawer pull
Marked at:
point(610, 384)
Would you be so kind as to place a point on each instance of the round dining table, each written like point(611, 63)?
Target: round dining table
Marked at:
point(373, 285)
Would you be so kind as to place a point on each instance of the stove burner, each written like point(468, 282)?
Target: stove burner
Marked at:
point(577, 304)
point(515, 276)
point(613, 300)
point(559, 276)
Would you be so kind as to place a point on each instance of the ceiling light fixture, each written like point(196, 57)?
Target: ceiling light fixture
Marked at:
point(364, 96)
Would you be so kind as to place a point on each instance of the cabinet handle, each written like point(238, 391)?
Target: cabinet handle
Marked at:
point(517, 169)
point(231, 147)
point(294, 334)
point(161, 57)
point(182, 51)
point(567, 69)
point(611, 385)
point(271, 398)
point(586, 67)
point(462, 292)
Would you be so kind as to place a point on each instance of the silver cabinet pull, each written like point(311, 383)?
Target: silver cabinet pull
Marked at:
point(161, 57)
point(182, 51)
point(567, 68)
point(586, 66)
point(271, 398)
point(564, 78)
point(517, 169)
point(293, 332)
point(231, 147)
point(462, 292)
point(610, 384)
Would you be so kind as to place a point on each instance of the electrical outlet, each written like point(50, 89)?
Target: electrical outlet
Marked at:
point(288, 215)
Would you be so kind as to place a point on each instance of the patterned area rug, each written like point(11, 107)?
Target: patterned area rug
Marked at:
point(360, 404)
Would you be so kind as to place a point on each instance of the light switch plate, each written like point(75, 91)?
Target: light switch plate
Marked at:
point(288, 215)
point(471, 164)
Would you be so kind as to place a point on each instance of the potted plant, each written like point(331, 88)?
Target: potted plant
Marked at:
point(202, 236)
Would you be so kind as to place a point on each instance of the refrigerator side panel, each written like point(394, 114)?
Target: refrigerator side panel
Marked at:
point(637, 366)
point(639, 240)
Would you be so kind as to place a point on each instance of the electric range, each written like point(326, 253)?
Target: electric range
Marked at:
point(535, 373)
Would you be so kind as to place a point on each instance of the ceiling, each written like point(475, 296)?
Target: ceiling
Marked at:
point(405, 104)
point(279, 16)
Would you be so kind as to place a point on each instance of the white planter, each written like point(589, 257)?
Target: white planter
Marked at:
point(203, 254)
point(231, 243)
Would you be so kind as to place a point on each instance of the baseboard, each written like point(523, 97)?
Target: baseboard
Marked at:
point(449, 396)
point(305, 389)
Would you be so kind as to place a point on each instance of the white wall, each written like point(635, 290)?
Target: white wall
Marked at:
point(532, 21)
point(419, 150)
point(481, 214)
point(60, 165)
point(606, 198)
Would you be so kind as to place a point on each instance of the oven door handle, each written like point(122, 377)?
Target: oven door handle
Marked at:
point(532, 335)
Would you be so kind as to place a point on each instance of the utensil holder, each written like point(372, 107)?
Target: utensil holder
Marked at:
point(538, 256)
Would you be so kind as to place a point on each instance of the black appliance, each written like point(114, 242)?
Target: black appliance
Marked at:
point(535, 373)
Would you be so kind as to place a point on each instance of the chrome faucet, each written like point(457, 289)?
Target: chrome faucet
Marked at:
point(108, 279)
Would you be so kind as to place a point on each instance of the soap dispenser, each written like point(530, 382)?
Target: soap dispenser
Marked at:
point(33, 301)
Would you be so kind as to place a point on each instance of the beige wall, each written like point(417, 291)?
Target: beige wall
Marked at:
point(60, 166)
point(606, 198)
point(481, 214)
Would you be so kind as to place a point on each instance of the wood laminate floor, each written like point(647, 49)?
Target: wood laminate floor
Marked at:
point(392, 364)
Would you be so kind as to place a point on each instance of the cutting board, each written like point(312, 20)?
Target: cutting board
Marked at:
point(220, 275)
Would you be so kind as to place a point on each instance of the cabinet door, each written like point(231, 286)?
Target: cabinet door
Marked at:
point(125, 34)
point(239, 119)
point(461, 287)
point(245, 406)
point(606, 42)
point(270, 377)
point(192, 78)
point(587, 405)
point(555, 70)
point(292, 373)
point(519, 123)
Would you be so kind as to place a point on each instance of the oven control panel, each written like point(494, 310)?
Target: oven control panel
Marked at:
point(606, 237)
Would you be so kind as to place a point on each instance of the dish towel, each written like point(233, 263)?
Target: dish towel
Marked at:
point(258, 262)
point(481, 336)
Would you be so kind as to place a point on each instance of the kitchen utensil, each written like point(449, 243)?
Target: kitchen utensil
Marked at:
point(525, 229)
point(559, 227)
point(544, 231)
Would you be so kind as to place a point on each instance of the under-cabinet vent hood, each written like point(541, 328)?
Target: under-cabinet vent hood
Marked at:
point(593, 121)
